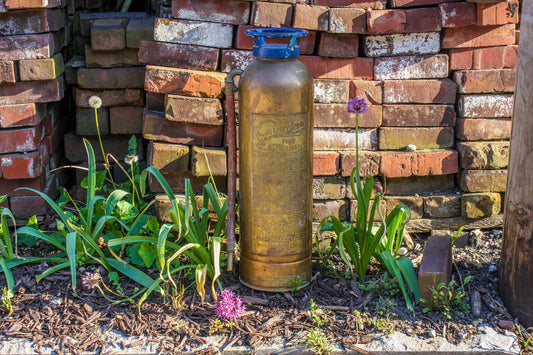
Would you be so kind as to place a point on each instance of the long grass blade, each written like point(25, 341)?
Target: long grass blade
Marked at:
point(51, 270)
point(51, 203)
point(10, 280)
point(38, 234)
point(131, 272)
point(71, 254)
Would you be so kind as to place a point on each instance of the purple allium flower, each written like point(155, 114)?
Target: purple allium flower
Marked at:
point(229, 306)
point(357, 105)
point(90, 280)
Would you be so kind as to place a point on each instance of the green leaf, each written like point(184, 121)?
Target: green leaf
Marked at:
point(200, 276)
point(9, 275)
point(126, 211)
point(71, 253)
point(133, 253)
point(113, 198)
point(57, 242)
point(53, 269)
point(148, 254)
point(51, 203)
point(132, 145)
point(131, 272)
point(3, 198)
point(391, 265)
point(216, 263)
point(408, 271)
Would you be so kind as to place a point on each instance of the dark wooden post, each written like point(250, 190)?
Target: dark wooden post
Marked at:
point(516, 266)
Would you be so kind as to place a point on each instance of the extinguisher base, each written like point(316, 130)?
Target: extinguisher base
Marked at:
point(275, 277)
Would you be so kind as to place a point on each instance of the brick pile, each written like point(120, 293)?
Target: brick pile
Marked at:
point(438, 75)
point(33, 35)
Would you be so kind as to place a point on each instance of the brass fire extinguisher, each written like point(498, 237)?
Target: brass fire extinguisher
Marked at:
point(276, 170)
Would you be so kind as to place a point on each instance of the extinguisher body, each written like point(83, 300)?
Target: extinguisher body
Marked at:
point(275, 178)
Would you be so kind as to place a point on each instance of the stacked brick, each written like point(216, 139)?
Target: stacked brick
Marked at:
point(110, 70)
point(33, 35)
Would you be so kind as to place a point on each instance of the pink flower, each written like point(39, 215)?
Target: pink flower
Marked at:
point(90, 280)
point(357, 105)
point(229, 306)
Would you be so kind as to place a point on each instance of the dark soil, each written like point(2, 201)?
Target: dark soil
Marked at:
point(47, 312)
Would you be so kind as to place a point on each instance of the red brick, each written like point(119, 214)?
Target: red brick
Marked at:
point(265, 14)
point(122, 97)
point(169, 157)
point(178, 55)
point(414, 203)
point(411, 67)
point(311, 17)
point(418, 115)
point(126, 119)
point(484, 105)
point(27, 206)
point(499, 13)
point(31, 21)
point(7, 72)
point(116, 78)
point(485, 81)
point(41, 69)
point(371, 91)
point(423, 20)
point(419, 91)
point(184, 82)
point(368, 163)
point(325, 163)
point(483, 180)
point(108, 35)
point(194, 110)
point(339, 68)
point(362, 4)
point(156, 127)
point(330, 91)
point(435, 267)
point(484, 58)
point(9, 186)
point(408, 3)
point(419, 163)
point(458, 14)
point(21, 140)
point(225, 11)
point(336, 116)
point(393, 138)
point(347, 20)
point(26, 46)
point(21, 115)
point(478, 36)
point(235, 59)
point(24, 165)
point(30, 4)
point(31, 92)
point(386, 21)
point(338, 45)
point(483, 129)
point(306, 43)
point(111, 59)
point(325, 208)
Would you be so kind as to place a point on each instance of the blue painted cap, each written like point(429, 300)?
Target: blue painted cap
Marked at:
point(280, 51)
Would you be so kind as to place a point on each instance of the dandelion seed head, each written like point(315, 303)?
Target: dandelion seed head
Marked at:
point(95, 102)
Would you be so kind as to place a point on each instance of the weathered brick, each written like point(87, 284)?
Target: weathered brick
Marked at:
point(330, 91)
point(408, 3)
point(71, 68)
point(418, 116)
point(376, 187)
point(485, 105)
point(116, 78)
point(458, 14)
point(423, 20)
point(41, 69)
point(184, 82)
point(9, 186)
point(31, 4)
point(478, 36)
point(225, 11)
point(393, 138)
point(419, 163)
point(235, 59)
point(325, 208)
point(442, 206)
point(411, 67)
point(22, 115)
point(208, 161)
point(168, 157)
point(193, 110)
point(371, 91)
point(483, 129)
point(138, 30)
point(419, 184)
point(353, 210)
point(363, 4)
point(32, 92)
point(499, 13)
point(481, 204)
point(419, 91)
point(111, 59)
point(120, 97)
point(340, 45)
point(368, 163)
point(155, 101)
point(414, 203)
point(178, 55)
point(108, 35)
point(385, 21)
point(20, 47)
point(347, 20)
point(339, 68)
point(116, 145)
point(484, 58)
point(8, 74)
point(329, 188)
point(265, 14)
point(311, 17)
point(244, 41)
point(336, 116)
point(325, 163)
point(483, 180)
point(86, 18)
point(21, 139)
point(25, 165)
point(485, 81)
point(436, 265)
point(156, 127)
point(324, 139)
point(86, 121)
point(126, 119)
point(176, 181)
point(27, 206)
point(402, 44)
point(209, 34)
point(483, 155)
point(31, 21)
